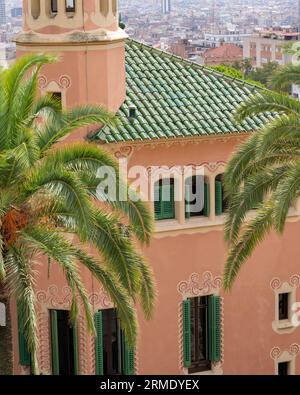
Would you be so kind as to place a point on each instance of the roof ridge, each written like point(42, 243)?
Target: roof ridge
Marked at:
point(206, 69)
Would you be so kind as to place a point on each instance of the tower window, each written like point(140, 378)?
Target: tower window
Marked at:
point(57, 97)
point(104, 7)
point(114, 7)
point(54, 6)
point(35, 8)
point(283, 306)
point(70, 5)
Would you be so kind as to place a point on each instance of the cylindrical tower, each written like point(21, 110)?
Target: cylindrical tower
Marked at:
point(86, 37)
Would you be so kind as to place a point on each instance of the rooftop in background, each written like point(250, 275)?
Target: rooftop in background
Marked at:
point(169, 97)
point(280, 34)
point(224, 54)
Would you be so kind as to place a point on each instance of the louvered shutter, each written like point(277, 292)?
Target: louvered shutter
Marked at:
point(206, 209)
point(157, 202)
point(188, 201)
point(129, 360)
point(75, 350)
point(186, 332)
point(214, 319)
point(54, 342)
point(99, 342)
point(24, 355)
point(218, 197)
point(167, 201)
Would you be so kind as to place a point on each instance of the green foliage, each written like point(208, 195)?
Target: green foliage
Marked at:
point(267, 165)
point(232, 72)
point(262, 74)
point(48, 190)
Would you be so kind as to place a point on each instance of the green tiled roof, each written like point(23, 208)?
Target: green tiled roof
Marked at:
point(176, 98)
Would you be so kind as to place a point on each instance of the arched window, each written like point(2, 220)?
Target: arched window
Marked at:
point(164, 199)
point(35, 8)
point(104, 7)
point(196, 197)
point(70, 6)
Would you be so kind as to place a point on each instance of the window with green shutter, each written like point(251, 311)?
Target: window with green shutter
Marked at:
point(196, 187)
point(99, 343)
point(113, 356)
point(164, 199)
point(64, 344)
point(24, 355)
point(220, 200)
point(201, 332)
point(128, 360)
point(186, 330)
point(218, 197)
point(214, 317)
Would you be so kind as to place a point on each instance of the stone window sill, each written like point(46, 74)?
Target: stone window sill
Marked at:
point(170, 225)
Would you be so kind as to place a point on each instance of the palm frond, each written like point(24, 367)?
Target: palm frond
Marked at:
point(73, 120)
point(285, 194)
point(285, 76)
point(253, 234)
point(20, 280)
point(267, 102)
point(118, 295)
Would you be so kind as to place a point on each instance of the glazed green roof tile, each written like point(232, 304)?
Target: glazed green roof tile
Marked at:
point(174, 98)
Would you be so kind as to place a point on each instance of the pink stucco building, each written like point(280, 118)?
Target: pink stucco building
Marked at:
point(172, 113)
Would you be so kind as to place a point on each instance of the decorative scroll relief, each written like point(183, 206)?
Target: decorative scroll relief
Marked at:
point(124, 152)
point(64, 82)
point(276, 283)
point(288, 354)
point(198, 285)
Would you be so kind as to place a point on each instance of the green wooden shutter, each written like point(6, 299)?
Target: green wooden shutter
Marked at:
point(218, 197)
point(129, 360)
point(186, 331)
point(214, 320)
point(168, 206)
point(157, 203)
point(24, 355)
point(54, 343)
point(206, 208)
point(75, 350)
point(99, 342)
point(188, 201)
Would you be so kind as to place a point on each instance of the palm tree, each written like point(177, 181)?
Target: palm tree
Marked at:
point(264, 172)
point(48, 190)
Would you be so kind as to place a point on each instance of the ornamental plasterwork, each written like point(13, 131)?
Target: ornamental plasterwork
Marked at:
point(198, 285)
point(293, 350)
point(288, 355)
point(64, 82)
point(55, 298)
point(294, 282)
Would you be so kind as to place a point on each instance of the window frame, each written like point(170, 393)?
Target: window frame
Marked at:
point(198, 365)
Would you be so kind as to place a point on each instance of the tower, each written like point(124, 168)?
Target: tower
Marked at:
point(166, 6)
point(2, 12)
point(86, 37)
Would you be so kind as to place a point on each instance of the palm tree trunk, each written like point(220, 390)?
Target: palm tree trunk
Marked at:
point(6, 351)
